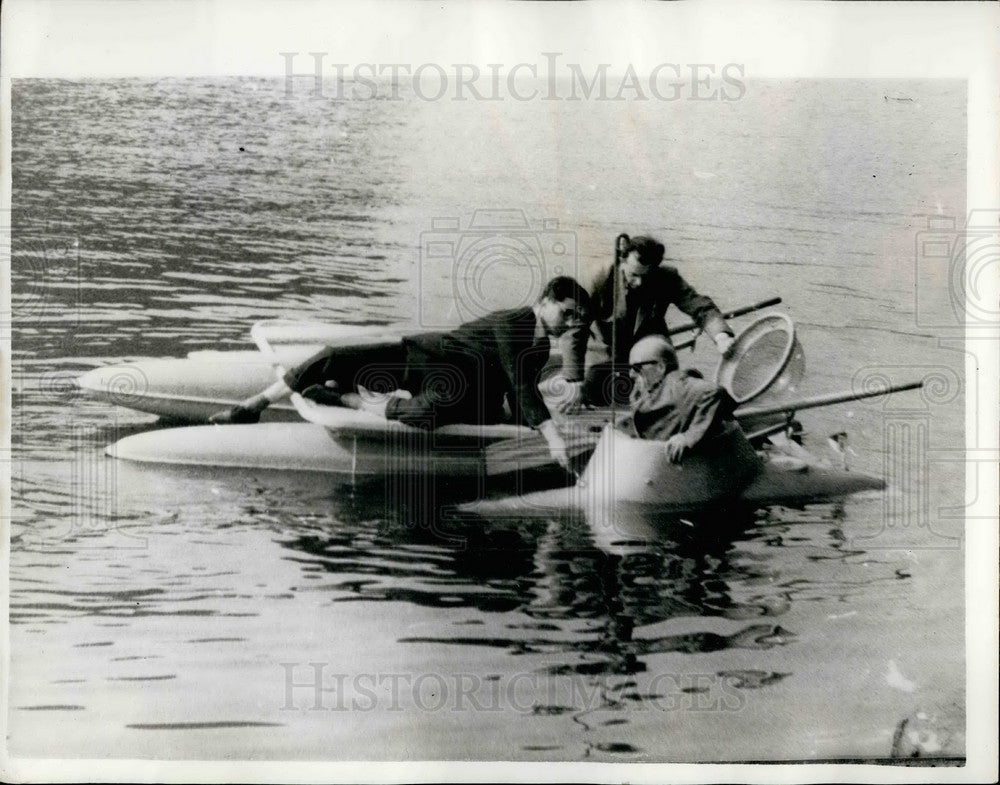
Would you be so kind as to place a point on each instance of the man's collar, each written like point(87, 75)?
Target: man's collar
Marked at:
point(540, 332)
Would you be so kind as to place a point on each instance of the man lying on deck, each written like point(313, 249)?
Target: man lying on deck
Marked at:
point(671, 405)
point(630, 301)
point(461, 376)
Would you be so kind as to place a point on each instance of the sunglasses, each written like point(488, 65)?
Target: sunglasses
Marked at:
point(637, 367)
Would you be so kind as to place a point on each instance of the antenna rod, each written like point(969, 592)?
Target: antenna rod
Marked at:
point(621, 243)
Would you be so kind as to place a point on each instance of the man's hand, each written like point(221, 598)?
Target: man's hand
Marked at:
point(724, 343)
point(570, 397)
point(238, 415)
point(676, 447)
point(559, 452)
point(557, 445)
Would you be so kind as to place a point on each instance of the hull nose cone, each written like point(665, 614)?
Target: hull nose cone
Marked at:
point(115, 383)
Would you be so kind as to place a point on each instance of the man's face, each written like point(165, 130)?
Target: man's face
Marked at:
point(646, 374)
point(558, 316)
point(633, 271)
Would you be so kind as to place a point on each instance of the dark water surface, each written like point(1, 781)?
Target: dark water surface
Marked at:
point(189, 613)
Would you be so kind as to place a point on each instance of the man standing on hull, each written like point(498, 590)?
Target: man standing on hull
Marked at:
point(459, 376)
point(629, 301)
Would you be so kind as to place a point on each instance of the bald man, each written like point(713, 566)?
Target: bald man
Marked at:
point(671, 405)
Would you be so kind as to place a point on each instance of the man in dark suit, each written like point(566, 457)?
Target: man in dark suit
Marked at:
point(463, 375)
point(629, 301)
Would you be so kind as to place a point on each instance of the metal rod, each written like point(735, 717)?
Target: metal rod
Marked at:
point(727, 315)
point(621, 243)
point(769, 431)
point(822, 400)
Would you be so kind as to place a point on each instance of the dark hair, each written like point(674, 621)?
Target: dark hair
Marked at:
point(650, 251)
point(561, 287)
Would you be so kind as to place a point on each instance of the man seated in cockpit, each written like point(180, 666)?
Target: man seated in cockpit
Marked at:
point(672, 405)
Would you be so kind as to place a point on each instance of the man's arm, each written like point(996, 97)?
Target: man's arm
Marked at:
point(521, 362)
point(572, 345)
point(518, 367)
point(699, 307)
point(524, 382)
point(565, 390)
point(709, 404)
point(703, 406)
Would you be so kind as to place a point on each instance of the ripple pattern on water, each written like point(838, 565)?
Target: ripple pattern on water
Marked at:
point(152, 218)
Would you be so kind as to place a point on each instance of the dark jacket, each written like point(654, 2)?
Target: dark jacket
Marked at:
point(685, 405)
point(641, 312)
point(463, 375)
point(682, 403)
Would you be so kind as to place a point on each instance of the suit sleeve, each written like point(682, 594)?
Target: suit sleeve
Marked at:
point(602, 305)
point(573, 343)
point(521, 366)
point(708, 404)
point(573, 348)
point(699, 307)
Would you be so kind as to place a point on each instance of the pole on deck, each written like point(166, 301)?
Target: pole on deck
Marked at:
point(821, 400)
point(727, 315)
point(621, 243)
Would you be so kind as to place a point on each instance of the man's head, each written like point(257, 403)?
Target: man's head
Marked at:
point(651, 358)
point(641, 255)
point(563, 305)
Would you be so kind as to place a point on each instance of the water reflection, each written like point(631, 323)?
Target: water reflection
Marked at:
point(591, 628)
point(551, 571)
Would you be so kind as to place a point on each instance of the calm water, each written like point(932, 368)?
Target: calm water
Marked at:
point(188, 614)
